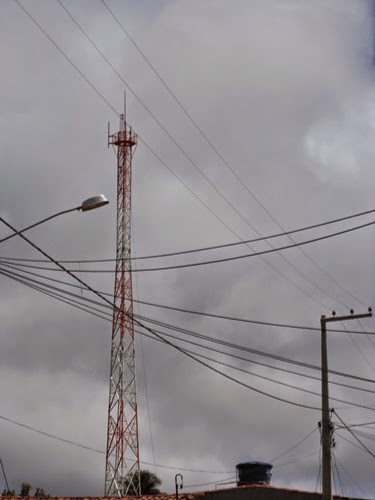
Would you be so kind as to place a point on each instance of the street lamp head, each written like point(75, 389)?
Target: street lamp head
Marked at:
point(94, 202)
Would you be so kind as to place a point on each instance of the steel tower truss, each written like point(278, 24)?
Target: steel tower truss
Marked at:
point(122, 473)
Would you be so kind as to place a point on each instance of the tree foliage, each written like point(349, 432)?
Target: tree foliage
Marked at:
point(149, 484)
point(25, 491)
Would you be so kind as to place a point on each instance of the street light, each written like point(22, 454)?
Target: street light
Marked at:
point(181, 485)
point(89, 204)
point(95, 202)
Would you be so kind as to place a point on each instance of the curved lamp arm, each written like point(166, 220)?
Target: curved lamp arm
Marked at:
point(89, 204)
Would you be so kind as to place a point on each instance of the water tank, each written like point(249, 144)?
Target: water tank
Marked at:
point(253, 473)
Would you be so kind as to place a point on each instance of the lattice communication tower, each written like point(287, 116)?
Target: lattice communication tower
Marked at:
point(122, 473)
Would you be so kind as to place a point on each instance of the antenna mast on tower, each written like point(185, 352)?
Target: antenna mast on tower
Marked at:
point(122, 433)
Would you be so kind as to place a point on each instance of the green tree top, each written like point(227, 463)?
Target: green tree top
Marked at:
point(149, 484)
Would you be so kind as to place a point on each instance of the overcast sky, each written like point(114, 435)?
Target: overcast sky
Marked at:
point(284, 91)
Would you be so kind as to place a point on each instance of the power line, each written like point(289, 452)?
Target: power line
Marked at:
point(297, 460)
point(139, 323)
point(153, 332)
point(246, 320)
point(202, 249)
point(67, 58)
point(357, 405)
point(225, 162)
point(332, 472)
point(318, 479)
point(311, 377)
point(188, 332)
point(214, 261)
point(361, 425)
point(144, 363)
point(293, 447)
point(248, 349)
point(52, 436)
point(359, 349)
point(192, 355)
point(204, 175)
point(89, 310)
point(199, 313)
point(352, 433)
point(211, 482)
point(161, 339)
point(90, 448)
point(349, 476)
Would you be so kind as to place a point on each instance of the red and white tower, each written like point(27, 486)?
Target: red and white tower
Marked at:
point(122, 473)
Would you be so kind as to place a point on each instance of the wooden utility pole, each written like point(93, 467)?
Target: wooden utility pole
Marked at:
point(326, 424)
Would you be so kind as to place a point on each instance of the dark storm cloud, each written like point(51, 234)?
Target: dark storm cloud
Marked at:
point(284, 91)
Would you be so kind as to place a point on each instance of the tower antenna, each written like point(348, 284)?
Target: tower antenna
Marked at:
point(122, 473)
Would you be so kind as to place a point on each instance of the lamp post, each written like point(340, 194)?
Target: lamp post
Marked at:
point(89, 204)
point(181, 485)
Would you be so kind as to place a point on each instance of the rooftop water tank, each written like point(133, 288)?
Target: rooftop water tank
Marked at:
point(253, 473)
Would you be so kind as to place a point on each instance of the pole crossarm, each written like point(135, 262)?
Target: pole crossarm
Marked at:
point(348, 317)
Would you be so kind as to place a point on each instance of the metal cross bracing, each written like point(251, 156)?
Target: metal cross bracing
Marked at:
point(122, 455)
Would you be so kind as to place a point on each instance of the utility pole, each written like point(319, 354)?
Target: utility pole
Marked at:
point(326, 424)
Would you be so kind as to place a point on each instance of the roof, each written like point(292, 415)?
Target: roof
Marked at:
point(248, 492)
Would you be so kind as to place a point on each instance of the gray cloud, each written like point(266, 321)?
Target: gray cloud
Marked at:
point(284, 90)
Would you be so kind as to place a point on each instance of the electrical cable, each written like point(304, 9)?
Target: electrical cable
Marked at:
point(67, 58)
point(350, 442)
point(58, 296)
point(293, 447)
point(335, 489)
point(89, 448)
point(199, 313)
point(139, 323)
point(143, 361)
point(213, 261)
point(211, 482)
point(199, 170)
point(192, 356)
point(117, 114)
point(365, 435)
point(358, 348)
point(246, 320)
point(47, 434)
point(357, 405)
point(349, 476)
point(210, 339)
point(213, 360)
point(339, 479)
point(365, 332)
point(352, 433)
point(361, 425)
point(319, 470)
point(196, 166)
point(202, 249)
point(53, 295)
point(195, 354)
point(253, 351)
point(225, 162)
point(311, 377)
point(297, 460)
